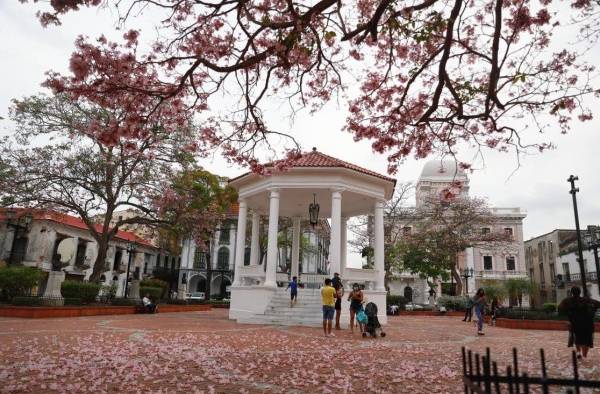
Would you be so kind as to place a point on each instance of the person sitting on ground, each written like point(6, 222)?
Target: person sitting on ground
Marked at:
point(580, 311)
point(148, 304)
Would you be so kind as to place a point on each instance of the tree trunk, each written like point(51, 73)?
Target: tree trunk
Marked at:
point(457, 279)
point(99, 264)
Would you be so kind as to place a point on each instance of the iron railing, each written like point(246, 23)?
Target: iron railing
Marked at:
point(481, 376)
point(501, 274)
point(570, 278)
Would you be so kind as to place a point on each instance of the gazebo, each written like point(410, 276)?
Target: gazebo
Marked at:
point(342, 190)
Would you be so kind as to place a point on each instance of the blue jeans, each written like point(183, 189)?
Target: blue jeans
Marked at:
point(328, 312)
point(479, 313)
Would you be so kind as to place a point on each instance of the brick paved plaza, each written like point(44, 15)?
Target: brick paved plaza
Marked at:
point(205, 352)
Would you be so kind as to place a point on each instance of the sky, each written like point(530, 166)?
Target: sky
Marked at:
point(539, 186)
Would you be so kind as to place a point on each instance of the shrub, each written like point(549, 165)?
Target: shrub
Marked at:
point(157, 283)
point(108, 292)
point(529, 314)
point(155, 292)
point(549, 307)
point(73, 301)
point(452, 303)
point(494, 289)
point(396, 300)
point(177, 302)
point(26, 301)
point(124, 302)
point(198, 302)
point(86, 291)
point(18, 281)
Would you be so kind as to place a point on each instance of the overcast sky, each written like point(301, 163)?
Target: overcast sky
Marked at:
point(539, 186)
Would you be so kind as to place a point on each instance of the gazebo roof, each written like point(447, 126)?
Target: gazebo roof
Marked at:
point(316, 159)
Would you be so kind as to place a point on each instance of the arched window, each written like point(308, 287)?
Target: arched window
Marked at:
point(223, 259)
point(408, 293)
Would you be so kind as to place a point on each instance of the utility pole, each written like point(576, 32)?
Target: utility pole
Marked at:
point(573, 192)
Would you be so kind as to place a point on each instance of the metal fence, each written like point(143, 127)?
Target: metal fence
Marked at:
point(481, 375)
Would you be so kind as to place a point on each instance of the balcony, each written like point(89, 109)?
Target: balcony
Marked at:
point(571, 278)
point(489, 274)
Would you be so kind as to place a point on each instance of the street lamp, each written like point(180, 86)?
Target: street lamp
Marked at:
point(467, 273)
point(573, 192)
point(313, 211)
point(592, 241)
point(130, 251)
point(17, 223)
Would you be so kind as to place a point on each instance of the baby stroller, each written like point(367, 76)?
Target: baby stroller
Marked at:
point(372, 326)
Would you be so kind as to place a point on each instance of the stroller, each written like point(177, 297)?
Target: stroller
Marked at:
point(372, 326)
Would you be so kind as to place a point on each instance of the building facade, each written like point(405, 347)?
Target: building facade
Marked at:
point(487, 263)
point(40, 242)
point(553, 265)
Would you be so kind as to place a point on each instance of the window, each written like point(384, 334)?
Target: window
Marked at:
point(542, 276)
point(224, 234)
point(247, 256)
point(118, 258)
point(540, 253)
point(510, 263)
point(223, 258)
point(509, 232)
point(566, 271)
point(199, 259)
point(551, 250)
point(487, 263)
point(485, 230)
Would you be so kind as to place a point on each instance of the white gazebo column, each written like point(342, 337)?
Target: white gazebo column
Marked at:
point(254, 242)
point(379, 246)
point(240, 242)
point(344, 245)
point(336, 232)
point(295, 245)
point(270, 278)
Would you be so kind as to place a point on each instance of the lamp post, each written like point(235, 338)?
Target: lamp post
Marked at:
point(17, 223)
point(573, 192)
point(130, 251)
point(467, 273)
point(313, 211)
point(592, 241)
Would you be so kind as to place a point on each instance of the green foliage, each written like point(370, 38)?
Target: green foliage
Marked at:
point(124, 302)
point(155, 282)
point(86, 291)
point(550, 307)
point(529, 314)
point(26, 301)
point(109, 292)
point(396, 300)
point(18, 281)
point(494, 289)
point(177, 302)
point(73, 301)
point(155, 292)
point(454, 303)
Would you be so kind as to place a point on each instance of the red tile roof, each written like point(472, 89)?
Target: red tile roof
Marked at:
point(316, 159)
point(75, 222)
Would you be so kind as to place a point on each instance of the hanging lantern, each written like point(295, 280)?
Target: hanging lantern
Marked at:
point(313, 211)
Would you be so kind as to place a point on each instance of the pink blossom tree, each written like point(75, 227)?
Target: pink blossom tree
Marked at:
point(59, 159)
point(431, 75)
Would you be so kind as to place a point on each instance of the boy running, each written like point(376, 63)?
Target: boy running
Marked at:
point(328, 297)
point(293, 286)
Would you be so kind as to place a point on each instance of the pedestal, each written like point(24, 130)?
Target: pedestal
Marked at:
point(134, 290)
point(52, 294)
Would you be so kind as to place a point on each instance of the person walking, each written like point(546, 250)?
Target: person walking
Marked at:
point(469, 310)
point(293, 286)
point(479, 305)
point(328, 298)
point(356, 299)
point(494, 308)
point(580, 311)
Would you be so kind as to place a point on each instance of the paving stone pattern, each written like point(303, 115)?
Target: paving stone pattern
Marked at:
point(204, 352)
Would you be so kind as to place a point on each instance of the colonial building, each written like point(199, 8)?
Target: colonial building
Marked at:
point(553, 265)
point(198, 274)
point(34, 238)
point(487, 263)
